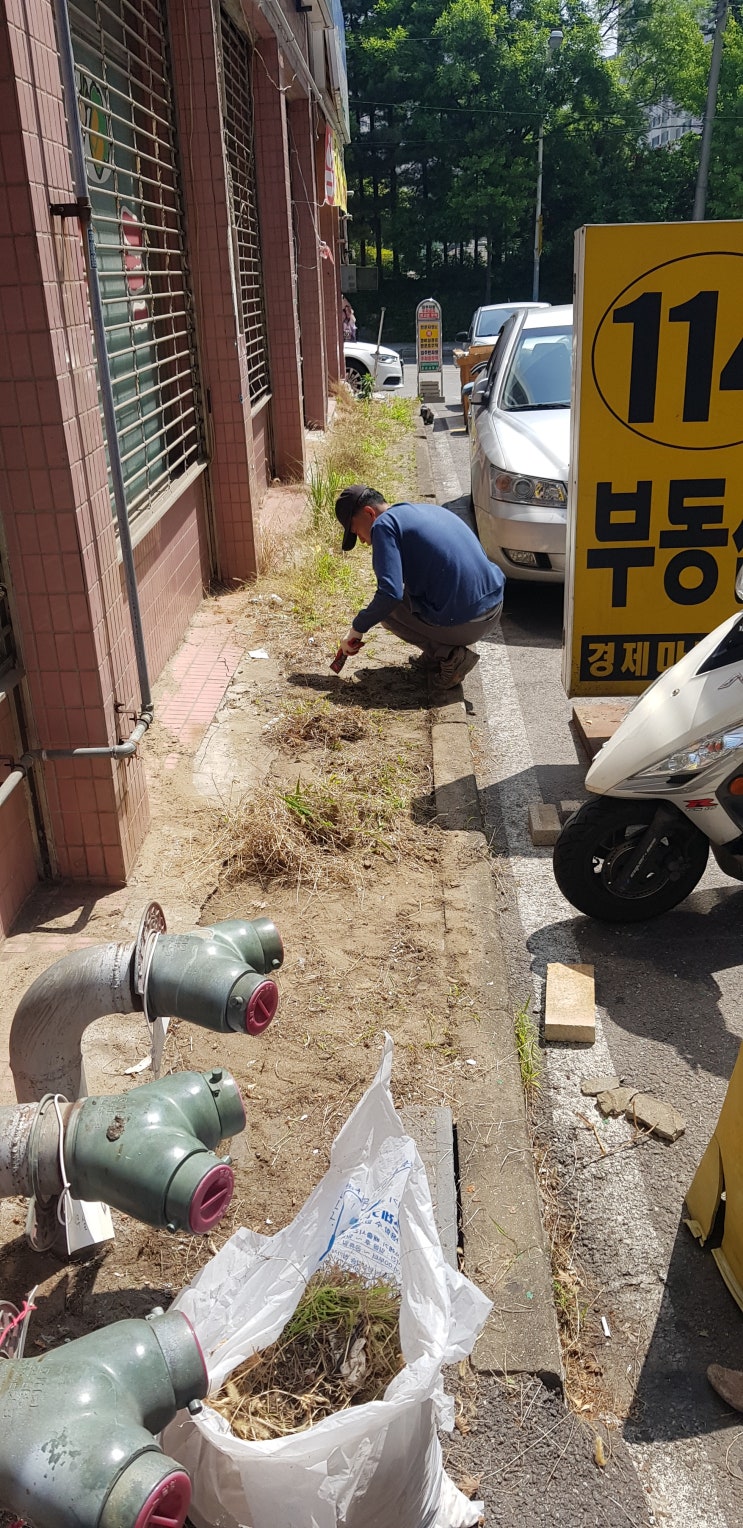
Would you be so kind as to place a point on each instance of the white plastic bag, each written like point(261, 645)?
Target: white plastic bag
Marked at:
point(372, 1466)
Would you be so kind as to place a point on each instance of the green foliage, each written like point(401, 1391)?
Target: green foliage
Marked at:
point(446, 102)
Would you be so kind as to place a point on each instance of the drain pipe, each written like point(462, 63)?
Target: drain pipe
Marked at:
point(84, 211)
point(220, 978)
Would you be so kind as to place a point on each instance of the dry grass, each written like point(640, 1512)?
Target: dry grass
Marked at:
point(319, 722)
point(318, 830)
point(341, 1348)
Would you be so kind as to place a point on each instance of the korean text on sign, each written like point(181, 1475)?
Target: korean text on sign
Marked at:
point(655, 532)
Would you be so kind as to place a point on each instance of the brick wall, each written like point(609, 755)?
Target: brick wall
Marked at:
point(172, 569)
point(17, 858)
point(234, 487)
point(309, 278)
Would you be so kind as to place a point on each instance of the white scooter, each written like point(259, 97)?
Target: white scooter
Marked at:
point(669, 784)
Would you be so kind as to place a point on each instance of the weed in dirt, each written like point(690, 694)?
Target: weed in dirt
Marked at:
point(326, 589)
point(341, 1348)
point(312, 832)
point(527, 1049)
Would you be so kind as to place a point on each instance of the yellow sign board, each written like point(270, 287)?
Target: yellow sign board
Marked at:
point(655, 522)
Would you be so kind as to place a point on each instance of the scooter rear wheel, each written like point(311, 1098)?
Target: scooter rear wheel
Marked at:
point(594, 845)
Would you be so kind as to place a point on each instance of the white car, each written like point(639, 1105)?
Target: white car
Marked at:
point(362, 361)
point(519, 435)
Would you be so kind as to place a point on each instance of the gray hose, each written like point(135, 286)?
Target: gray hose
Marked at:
point(15, 1132)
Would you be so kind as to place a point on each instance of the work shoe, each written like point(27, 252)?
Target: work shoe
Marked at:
point(728, 1383)
point(453, 669)
point(422, 660)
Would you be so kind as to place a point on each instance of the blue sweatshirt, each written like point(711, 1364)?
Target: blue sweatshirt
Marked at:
point(428, 553)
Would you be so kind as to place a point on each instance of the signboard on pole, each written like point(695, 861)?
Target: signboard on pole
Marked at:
point(655, 519)
point(429, 350)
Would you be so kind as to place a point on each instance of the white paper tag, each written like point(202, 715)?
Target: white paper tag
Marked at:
point(88, 1223)
point(159, 1031)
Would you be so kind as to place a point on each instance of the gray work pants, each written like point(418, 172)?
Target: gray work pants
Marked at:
point(437, 642)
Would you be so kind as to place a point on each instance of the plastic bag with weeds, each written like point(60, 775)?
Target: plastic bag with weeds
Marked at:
point(368, 1465)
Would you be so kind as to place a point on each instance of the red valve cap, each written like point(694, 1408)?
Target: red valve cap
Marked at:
point(261, 1007)
point(211, 1199)
point(167, 1505)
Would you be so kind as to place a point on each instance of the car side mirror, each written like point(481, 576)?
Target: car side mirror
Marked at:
point(479, 392)
point(467, 391)
point(461, 337)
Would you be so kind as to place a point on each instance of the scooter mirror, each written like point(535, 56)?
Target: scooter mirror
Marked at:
point(739, 584)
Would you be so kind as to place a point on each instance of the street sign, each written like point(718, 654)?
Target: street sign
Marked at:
point(655, 518)
point(429, 350)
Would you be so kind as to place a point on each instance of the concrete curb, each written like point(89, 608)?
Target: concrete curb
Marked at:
point(503, 1238)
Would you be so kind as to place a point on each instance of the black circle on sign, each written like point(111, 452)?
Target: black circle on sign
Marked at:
point(705, 564)
point(703, 254)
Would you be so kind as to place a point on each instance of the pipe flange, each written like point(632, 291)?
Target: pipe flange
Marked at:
point(152, 923)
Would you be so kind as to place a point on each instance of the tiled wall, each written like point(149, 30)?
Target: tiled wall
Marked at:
point(172, 573)
point(74, 638)
point(302, 135)
point(17, 861)
point(235, 488)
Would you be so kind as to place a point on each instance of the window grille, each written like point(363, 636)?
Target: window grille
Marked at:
point(237, 60)
point(126, 108)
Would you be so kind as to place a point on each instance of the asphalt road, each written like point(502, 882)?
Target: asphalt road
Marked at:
point(670, 1011)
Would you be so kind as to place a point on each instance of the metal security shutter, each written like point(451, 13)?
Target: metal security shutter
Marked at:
point(237, 63)
point(126, 108)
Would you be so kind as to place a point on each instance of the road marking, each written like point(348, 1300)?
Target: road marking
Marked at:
point(676, 1474)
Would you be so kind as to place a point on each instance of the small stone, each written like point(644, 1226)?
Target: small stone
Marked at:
point(616, 1101)
point(570, 1004)
point(591, 1086)
point(652, 1114)
point(544, 825)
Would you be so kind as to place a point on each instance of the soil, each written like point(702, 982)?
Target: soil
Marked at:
point(363, 954)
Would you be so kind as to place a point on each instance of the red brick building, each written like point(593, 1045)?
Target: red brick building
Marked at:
point(204, 131)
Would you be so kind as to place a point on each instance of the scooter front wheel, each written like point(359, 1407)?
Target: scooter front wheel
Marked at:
point(593, 849)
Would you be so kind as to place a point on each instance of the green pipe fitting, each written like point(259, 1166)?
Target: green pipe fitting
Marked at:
point(77, 1444)
point(150, 1152)
point(219, 979)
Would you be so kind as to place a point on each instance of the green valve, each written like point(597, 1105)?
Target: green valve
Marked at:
point(150, 1152)
point(219, 979)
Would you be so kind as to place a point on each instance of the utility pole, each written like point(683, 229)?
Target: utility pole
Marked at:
point(700, 194)
point(554, 42)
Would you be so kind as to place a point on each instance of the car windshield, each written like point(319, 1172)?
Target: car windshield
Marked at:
point(538, 376)
point(489, 325)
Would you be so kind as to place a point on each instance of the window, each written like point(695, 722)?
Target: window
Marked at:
point(539, 374)
point(237, 62)
point(127, 113)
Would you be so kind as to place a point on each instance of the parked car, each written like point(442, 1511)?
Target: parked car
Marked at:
point(362, 361)
point(519, 434)
point(477, 342)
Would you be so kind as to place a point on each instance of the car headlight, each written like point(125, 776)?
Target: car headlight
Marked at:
point(526, 490)
point(388, 357)
point(692, 761)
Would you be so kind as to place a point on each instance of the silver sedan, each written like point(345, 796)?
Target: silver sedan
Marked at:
point(519, 433)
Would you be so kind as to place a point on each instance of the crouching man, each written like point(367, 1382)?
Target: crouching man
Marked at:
point(435, 587)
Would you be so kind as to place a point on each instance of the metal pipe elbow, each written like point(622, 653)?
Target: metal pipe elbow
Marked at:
point(78, 1444)
point(53, 1015)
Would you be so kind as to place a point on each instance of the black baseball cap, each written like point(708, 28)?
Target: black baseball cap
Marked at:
point(346, 506)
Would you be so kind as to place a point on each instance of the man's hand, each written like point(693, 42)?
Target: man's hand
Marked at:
point(352, 641)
